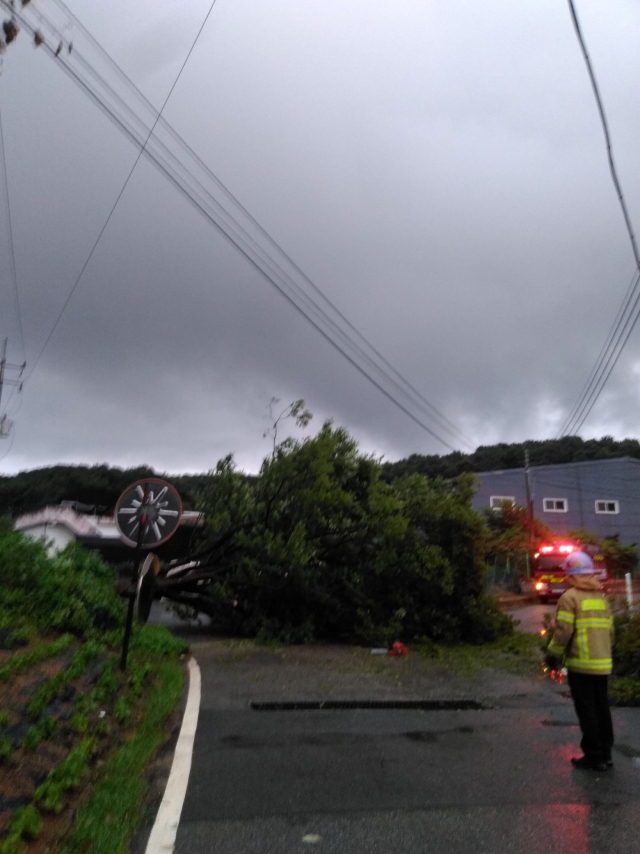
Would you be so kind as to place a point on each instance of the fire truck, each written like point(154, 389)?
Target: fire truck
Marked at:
point(550, 581)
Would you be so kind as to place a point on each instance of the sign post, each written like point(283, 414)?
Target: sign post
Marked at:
point(149, 510)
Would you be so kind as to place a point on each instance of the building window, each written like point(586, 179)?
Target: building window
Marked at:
point(555, 505)
point(496, 501)
point(607, 506)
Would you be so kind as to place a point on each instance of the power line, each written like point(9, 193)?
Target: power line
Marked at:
point(566, 427)
point(604, 366)
point(12, 254)
point(605, 128)
point(594, 387)
point(612, 359)
point(247, 253)
point(120, 194)
point(414, 395)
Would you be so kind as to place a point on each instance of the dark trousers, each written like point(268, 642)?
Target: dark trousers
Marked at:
point(591, 702)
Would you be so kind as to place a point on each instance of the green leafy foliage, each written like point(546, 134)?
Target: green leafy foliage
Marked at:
point(99, 486)
point(509, 531)
point(625, 691)
point(6, 749)
point(19, 663)
point(319, 547)
point(39, 732)
point(619, 558)
point(107, 684)
point(624, 687)
point(26, 822)
point(48, 691)
point(139, 675)
point(569, 449)
point(65, 776)
point(4, 718)
point(156, 641)
point(107, 819)
point(70, 592)
point(79, 723)
point(102, 728)
point(13, 844)
point(122, 711)
point(627, 645)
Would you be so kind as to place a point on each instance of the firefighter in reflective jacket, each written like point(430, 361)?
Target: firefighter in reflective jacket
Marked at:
point(583, 635)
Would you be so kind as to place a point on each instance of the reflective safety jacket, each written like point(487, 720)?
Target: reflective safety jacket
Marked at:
point(584, 629)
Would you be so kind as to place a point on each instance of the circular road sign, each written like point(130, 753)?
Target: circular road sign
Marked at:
point(148, 513)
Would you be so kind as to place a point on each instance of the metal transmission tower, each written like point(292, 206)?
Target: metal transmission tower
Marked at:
point(5, 423)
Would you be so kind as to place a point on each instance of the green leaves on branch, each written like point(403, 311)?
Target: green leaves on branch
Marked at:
point(318, 547)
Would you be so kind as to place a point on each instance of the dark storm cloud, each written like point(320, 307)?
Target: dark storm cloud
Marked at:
point(438, 169)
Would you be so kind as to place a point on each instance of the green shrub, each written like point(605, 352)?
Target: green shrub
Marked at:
point(139, 675)
point(626, 653)
point(122, 711)
point(103, 728)
point(13, 844)
point(6, 749)
point(48, 691)
point(4, 718)
point(65, 776)
point(319, 547)
point(157, 641)
point(26, 822)
point(70, 592)
point(20, 662)
point(625, 691)
point(39, 732)
point(107, 683)
point(79, 723)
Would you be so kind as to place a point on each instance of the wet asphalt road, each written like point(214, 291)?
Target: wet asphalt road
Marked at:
point(395, 781)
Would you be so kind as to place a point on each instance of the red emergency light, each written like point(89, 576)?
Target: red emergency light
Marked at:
point(564, 548)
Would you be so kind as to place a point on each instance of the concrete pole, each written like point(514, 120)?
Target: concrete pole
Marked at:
point(627, 579)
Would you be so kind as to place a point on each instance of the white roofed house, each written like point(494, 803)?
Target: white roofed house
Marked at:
point(71, 522)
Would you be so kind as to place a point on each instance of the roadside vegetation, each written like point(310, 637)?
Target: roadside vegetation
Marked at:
point(625, 685)
point(102, 484)
point(319, 548)
point(76, 734)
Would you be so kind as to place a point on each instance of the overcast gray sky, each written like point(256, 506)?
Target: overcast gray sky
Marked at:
point(437, 168)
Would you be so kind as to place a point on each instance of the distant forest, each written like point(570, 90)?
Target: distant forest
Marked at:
point(101, 485)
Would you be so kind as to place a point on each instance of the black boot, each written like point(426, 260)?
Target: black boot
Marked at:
point(589, 764)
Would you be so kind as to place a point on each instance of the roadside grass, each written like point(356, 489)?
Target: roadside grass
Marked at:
point(21, 662)
point(519, 653)
point(106, 821)
point(624, 691)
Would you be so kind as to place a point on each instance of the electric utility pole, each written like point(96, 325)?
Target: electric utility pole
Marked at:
point(5, 424)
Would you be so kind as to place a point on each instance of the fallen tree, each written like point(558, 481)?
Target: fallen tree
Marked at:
point(318, 547)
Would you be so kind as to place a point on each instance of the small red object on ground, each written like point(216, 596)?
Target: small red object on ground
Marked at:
point(398, 649)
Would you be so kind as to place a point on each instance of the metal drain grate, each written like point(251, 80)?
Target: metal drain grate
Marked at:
point(327, 705)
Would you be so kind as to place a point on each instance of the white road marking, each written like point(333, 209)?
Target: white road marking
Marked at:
point(165, 829)
point(313, 838)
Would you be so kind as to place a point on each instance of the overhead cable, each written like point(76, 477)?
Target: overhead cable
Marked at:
point(12, 253)
point(223, 227)
point(593, 388)
point(400, 383)
point(593, 385)
point(124, 186)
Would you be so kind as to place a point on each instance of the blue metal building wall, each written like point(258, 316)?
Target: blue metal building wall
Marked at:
point(581, 485)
